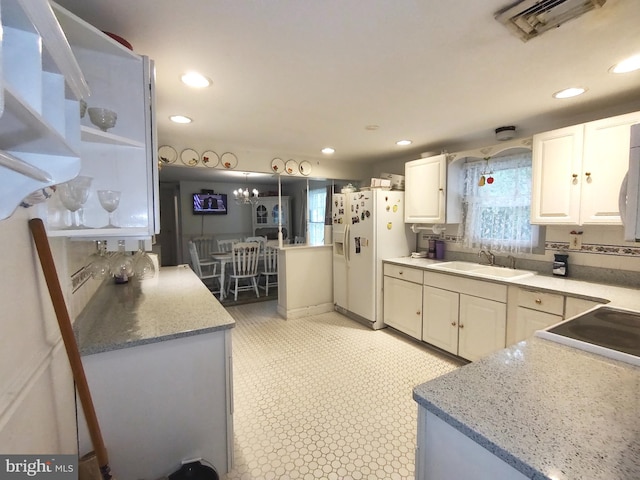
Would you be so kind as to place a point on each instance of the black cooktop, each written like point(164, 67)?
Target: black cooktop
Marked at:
point(607, 327)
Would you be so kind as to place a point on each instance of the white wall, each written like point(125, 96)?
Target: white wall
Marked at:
point(37, 403)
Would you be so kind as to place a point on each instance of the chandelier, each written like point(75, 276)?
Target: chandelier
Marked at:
point(243, 197)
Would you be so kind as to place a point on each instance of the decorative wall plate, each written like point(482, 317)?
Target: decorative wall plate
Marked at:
point(228, 160)
point(291, 167)
point(190, 157)
point(210, 159)
point(167, 154)
point(305, 167)
point(277, 165)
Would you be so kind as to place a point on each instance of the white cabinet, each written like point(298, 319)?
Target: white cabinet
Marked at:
point(535, 311)
point(575, 306)
point(402, 299)
point(440, 318)
point(430, 191)
point(464, 316)
point(162, 403)
point(124, 157)
point(40, 87)
point(267, 214)
point(578, 170)
point(482, 327)
point(445, 453)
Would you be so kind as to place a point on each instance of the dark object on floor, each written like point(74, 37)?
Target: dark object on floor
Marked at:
point(194, 471)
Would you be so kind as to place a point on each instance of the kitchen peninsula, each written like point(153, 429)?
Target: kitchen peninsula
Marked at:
point(157, 354)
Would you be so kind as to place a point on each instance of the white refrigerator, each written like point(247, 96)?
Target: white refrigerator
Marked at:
point(368, 227)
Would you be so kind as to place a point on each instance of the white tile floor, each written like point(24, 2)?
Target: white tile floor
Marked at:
point(324, 397)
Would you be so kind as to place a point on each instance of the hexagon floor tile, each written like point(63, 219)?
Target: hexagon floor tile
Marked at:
point(324, 397)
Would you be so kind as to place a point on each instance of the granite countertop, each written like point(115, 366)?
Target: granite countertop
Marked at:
point(173, 304)
point(550, 411)
point(613, 295)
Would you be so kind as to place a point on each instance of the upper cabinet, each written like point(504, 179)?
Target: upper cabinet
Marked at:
point(39, 121)
point(122, 158)
point(427, 199)
point(578, 171)
point(267, 216)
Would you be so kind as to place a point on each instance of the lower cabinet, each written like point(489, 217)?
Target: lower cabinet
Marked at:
point(440, 318)
point(445, 453)
point(481, 328)
point(403, 299)
point(161, 403)
point(466, 317)
point(538, 310)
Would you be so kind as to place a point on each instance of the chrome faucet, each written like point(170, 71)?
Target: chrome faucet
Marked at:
point(491, 258)
point(512, 262)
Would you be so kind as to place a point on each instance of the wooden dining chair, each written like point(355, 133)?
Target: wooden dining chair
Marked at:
point(269, 269)
point(227, 244)
point(206, 270)
point(262, 241)
point(245, 268)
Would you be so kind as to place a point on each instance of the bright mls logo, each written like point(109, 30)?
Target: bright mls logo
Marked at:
point(51, 467)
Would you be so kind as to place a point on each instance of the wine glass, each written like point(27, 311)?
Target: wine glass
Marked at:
point(99, 262)
point(143, 266)
point(73, 194)
point(121, 264)
point(82, 185)
point(109, 199)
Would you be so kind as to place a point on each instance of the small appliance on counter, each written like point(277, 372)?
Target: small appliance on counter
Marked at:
point(561, 265)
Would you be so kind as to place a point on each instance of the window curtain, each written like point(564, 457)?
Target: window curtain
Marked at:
point(496, 205)
point(317, 211)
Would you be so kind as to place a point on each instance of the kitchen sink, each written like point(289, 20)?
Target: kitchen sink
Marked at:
point(485, 271)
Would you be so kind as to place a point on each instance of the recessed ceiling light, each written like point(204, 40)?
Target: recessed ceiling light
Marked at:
point(180, 119)
point(328, 150)
point(372, 127)
point(630, 64)
point(195, 80)
point(403, 143)
point(569, 92)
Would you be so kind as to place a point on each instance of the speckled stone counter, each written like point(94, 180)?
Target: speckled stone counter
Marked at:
point(174, 304)
point(550, 411)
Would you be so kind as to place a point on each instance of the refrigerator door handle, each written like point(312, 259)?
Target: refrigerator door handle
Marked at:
point(346, 244)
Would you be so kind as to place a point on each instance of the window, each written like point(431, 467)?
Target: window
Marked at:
point(496, 205)
point(317, 205)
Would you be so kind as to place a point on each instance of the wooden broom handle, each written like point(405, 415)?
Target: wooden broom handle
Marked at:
point(60, 307)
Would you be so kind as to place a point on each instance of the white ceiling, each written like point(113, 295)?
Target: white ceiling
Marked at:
point(293, 76)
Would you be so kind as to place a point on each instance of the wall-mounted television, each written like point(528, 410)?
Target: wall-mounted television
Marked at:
point(209, 203)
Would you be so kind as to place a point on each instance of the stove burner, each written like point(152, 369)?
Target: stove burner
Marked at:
point(605, 336)
point(606, 327)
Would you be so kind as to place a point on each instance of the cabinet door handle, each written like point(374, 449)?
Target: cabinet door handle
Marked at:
point(461, 326)
point(400, 272)
point(588, 175)
point(453, 324)
point(538, 301)
point(574, 179)
point(418, 312)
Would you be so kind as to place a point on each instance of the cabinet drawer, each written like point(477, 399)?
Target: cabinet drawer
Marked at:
point(404, 273)
point(460, 284)
point(575, 306)
point(541, 301)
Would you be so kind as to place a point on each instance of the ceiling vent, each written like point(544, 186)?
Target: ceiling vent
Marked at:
point(530, 18)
